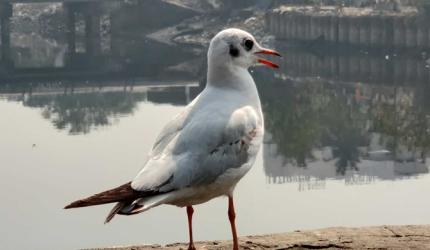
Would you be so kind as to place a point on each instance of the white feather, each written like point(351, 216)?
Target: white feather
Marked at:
point(204, 151)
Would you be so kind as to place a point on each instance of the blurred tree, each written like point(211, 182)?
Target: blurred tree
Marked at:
point(292, 119)
point(79, 113)
point(311, 115)
point(404, 120)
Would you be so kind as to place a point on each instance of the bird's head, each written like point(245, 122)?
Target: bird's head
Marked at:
point(236, 47)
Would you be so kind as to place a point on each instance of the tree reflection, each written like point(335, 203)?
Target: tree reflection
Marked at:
point(79, 113)
point(308, 115)
point(291, 117)
point(340, 121)
point(80, 109)
point(404, 119)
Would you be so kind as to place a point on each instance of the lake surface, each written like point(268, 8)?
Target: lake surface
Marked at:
point(347, 142)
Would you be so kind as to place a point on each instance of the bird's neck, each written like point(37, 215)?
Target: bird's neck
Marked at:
point(228, 76)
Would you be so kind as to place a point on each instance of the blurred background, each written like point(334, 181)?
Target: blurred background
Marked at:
point(86, 86)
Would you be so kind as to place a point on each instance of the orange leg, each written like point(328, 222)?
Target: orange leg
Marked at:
point(190, 212)
point(232, 217)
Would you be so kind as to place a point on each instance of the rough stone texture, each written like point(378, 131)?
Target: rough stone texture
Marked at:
point(382, 237)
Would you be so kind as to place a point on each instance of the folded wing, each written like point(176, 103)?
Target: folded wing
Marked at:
point(204, 148)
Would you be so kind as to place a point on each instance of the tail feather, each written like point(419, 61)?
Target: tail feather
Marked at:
point(115, 210)
point(129, 201)
point(122, 193)
point(137, 206)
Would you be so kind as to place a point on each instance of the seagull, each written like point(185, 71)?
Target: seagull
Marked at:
point(206, 149)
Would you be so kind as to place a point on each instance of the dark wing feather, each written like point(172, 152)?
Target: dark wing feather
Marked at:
point(121, 193)
point(115, 210)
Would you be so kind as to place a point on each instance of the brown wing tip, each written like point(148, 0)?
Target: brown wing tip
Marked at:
point(75, 204)
point(123, 192)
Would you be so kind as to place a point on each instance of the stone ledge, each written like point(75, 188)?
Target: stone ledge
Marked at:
point(379, 237)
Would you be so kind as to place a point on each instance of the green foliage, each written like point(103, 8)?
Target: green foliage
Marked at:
point(309, 115)
point(79, 113)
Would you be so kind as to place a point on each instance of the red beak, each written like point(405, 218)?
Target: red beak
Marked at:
point(268, 52)
point(267, 62)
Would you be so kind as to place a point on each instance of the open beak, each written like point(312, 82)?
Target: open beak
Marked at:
point(265, 61)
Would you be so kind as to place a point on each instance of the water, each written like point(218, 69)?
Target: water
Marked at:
point(345, 145)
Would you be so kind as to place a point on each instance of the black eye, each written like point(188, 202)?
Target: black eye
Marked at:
point(234, 52)
point(248, 44)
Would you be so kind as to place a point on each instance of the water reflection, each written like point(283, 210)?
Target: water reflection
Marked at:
point(79, 109)
point(331, 112)
point(78, 113)
point(335, 116)
point(363, 132)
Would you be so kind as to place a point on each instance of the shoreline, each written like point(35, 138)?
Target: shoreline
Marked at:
point(375, 237)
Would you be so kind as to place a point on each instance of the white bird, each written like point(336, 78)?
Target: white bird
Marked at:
point(206, 149)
